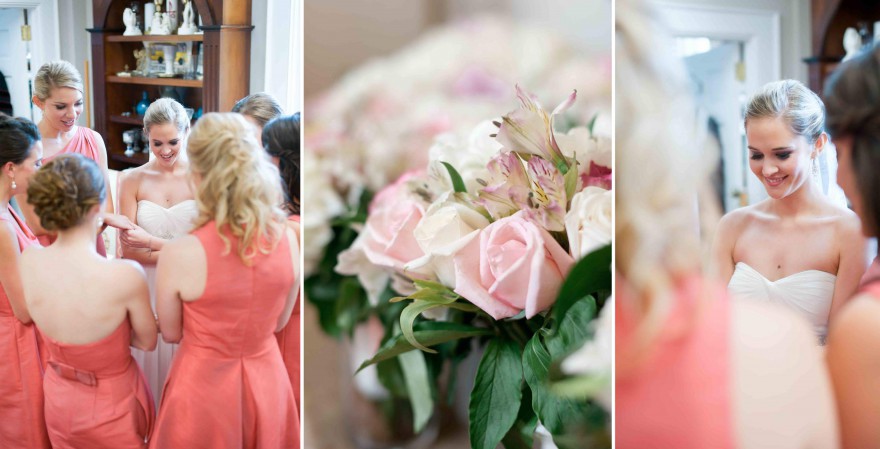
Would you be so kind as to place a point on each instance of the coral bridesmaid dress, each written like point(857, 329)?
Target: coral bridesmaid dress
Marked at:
point(228, 387)
point(96, 396)
point(680, 396)
point(288, 342)
point(83, 142)
point(21, 369)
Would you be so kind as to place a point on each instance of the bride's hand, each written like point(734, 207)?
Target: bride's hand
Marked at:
point(136, 238)
point(118, 221)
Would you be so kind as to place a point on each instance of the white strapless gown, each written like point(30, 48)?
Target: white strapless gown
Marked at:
point(169, 223)
point(808, 293)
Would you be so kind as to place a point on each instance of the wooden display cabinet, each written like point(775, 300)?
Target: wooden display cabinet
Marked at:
point(224, 47)
point(830, 19)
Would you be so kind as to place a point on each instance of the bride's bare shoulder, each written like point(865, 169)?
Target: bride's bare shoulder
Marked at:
point(734, 221)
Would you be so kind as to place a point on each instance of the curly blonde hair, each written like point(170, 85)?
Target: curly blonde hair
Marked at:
point(64, 190)
point(657, 226)
point(238, 186)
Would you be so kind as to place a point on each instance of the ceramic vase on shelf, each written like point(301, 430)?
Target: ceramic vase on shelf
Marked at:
point(374, 417)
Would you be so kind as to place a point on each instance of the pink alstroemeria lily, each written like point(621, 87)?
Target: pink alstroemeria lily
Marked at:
point(507, 187)
point(546, 203)
point(529, 130)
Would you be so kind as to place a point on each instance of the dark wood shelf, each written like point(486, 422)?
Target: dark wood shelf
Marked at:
point(137, 120)
point(144, 81)
point(171, 38)
point(226, 42)
point(136, 160)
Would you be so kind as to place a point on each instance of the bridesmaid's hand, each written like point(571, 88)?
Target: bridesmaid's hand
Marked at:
point(136, 238)
point(120, 222)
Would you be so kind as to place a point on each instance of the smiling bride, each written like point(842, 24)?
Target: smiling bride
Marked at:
point(797, 248)
point(158, 199)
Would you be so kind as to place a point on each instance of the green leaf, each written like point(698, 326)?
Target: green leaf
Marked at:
point(495, 399)
point(415, 373)
point(570, 333)
point(589, 275)
point(429, 334)
point(581, 387)
point(457, 183)
point(412, 311)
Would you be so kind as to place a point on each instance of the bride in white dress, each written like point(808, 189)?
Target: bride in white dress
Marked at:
point(157, 198)
point(797, 248)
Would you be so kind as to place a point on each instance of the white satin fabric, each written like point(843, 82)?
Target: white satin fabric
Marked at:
point(165, 223)
point(808, 293)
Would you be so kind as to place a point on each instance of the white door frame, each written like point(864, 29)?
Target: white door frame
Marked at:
point(45, 41)
point(758, 29)
point(283, 65)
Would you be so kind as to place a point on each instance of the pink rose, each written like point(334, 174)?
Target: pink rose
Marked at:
point(515, 265)
point(388, 238)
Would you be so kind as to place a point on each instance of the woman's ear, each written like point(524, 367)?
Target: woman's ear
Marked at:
point(820, 143)
point(39, 103)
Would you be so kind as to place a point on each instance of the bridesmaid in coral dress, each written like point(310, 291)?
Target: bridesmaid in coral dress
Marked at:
point(58, 92)
point(95, 394)
point(21, 380)
point(281, 142)
point(223, 292)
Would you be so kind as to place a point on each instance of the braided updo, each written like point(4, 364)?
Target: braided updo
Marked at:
point(65, 189)
point(281, 140)
point(852, 102)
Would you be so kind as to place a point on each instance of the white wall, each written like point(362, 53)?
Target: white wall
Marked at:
point(76, 46)
point(795, 29)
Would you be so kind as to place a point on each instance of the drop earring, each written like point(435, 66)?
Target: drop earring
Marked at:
point(13, 185)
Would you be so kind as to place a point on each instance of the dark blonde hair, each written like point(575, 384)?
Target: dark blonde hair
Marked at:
point(261, 106)
point(55, 74)
point(64, 190)
point(238, 187)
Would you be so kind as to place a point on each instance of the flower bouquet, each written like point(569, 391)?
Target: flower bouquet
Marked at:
point(502, 243)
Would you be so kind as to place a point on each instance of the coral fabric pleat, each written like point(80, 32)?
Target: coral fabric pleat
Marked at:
point(22, 359)
point(680, 395)
point(288, 342)
point(228, 387)
point(83, 142)
point(96, 395)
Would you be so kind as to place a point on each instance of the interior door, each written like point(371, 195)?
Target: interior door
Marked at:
point(13, 60)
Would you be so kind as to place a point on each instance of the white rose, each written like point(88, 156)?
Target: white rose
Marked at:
point(446, 227)
point(321, 205)
point(588, 222)
point(468, 155)
point(579, 144)
point(594, 357)
point(353, 262)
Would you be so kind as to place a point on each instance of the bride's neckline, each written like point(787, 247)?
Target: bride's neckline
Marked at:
point(169, 207)
point(785, 277)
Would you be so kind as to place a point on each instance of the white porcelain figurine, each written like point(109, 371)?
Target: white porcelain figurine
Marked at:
point(188, 26)
point(129, 18)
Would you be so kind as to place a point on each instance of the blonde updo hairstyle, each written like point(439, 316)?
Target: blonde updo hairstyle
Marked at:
point(261, 106)
point(800, 108)
point(238, 186)
point(657, 221)
point(166, 110)
point(53, 75)
point(64, 190)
